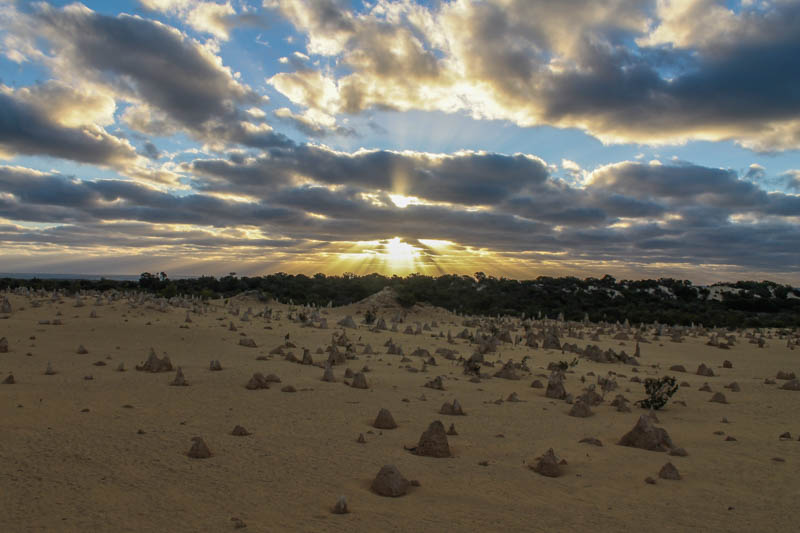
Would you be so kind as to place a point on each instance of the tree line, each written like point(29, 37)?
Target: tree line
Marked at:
point(666, 300)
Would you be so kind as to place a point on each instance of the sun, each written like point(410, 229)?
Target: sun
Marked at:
point(395, 256)
point(400, 256)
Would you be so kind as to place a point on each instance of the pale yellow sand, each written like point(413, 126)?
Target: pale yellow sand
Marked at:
point(65, 470)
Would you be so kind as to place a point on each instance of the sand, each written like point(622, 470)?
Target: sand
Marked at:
point(74, 459)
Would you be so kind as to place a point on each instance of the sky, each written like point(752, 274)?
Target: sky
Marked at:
point(520, 138)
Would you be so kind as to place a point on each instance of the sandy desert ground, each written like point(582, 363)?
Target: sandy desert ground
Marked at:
point(110, 453)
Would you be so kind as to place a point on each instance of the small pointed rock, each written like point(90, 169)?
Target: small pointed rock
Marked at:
point(718, 398)
point(199, 449)
point(547, 465)
point(621, 404)
point(359, 381)
point(452, 409)
point(704, 370)
point(179, 380)
point(341, 506)
point(390, 482)
point(668, 471)
point(646, 436)
point(384, 420)
point(257, 381)
point(678, 452)
point(555, 386)
point(792, 384)
point(154, 364)
point(433, 442)
point(435, 383)
point(580, 409)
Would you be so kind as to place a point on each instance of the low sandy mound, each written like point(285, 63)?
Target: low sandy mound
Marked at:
point(386, 297)
point(249, 298)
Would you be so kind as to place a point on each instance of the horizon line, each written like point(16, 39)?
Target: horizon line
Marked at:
point(136, 277)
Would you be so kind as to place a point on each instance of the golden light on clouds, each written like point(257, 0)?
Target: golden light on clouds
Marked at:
point(433, 257)
point(388, 256)
point(402, 201)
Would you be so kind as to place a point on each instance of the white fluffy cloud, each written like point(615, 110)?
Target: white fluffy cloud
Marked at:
point(619, 70)
point(214, 18)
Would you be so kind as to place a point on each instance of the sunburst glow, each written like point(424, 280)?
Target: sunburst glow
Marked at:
point(400, 255)
point(389, 256)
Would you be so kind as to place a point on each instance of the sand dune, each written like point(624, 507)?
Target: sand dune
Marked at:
point(110, 453)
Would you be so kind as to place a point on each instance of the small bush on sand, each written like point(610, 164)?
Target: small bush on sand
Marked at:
point(659, 391)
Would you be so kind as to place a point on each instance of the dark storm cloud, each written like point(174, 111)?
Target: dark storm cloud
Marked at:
point(51, 197)
point(628, 212)
point(24, 129)
point(746, 87)
point(681, 186)
point(134, 235)
point(700, 201)
point(469, 178)
point(349, 217)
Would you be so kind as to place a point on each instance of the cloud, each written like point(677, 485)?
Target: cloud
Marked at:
point(313, 123)
point(46, 120)
point(683, 186)
point(68, 106)
point(217, 19)
point(174, 82)
point(627, 212)
point(619, 70)
point(792, 179)
point(469, 178)
point(151, 151)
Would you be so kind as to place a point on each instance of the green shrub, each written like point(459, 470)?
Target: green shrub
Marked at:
point(659, 391)
point(564, 365)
